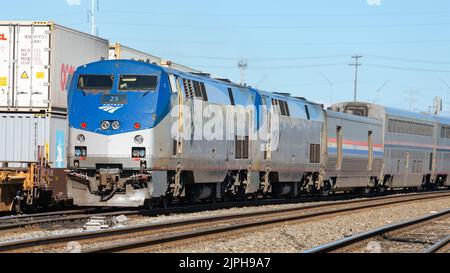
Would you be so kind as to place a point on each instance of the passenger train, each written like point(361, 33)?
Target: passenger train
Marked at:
point(122, 150)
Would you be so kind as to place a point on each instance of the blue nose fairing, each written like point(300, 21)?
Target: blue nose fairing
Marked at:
point(112, 103)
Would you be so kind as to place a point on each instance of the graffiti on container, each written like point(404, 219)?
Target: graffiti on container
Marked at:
point(65, 71)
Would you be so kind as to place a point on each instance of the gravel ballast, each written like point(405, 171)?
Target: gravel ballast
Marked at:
point(300, 236)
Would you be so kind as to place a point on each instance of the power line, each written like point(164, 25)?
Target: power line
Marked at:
point(408, 68)
point(295, 58)
point(273, 14)
point(251, 58)
point(411, 98)
point(331, 86)
point(408, 60)
point(264, 43)
point(272, 26)
point(273, 67)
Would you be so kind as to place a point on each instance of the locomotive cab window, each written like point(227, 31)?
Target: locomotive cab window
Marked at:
point(138, 82)
point(95, 82)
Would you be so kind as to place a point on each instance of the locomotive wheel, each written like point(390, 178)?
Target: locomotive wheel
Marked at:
point(165, 201)
point(17, 208)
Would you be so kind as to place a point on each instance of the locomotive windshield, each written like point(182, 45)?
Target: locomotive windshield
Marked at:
point(95, 82)
point(137, 82)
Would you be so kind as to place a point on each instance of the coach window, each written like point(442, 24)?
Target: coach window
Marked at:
point(339, 148)
point(390, 125)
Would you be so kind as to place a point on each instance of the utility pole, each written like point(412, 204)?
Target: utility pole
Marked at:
point(411, 99)
point(242, 65)
point(91, 14)
point(437, 105)
point(356, 64)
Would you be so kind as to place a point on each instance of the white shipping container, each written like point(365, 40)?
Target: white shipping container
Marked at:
point(119, 51)
point(21, 135)
point(179, 67)
point(36, 59)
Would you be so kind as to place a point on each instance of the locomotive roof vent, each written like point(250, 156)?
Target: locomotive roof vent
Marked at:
point(224, 80)
point(202, 74)
point(283, 94)
point(300, 98)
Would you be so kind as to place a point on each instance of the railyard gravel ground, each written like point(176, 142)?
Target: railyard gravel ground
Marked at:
point(291, 237)
point(37, 231)
point(300, 236)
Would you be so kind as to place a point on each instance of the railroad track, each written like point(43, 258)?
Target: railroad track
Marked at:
point(149, 237)
point(20, 221)
point(427, 234)
point(15, 222)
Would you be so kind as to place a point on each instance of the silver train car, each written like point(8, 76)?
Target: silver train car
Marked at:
point(416, 146)
point(137, 138)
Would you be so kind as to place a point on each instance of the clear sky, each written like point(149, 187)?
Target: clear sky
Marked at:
point(291, 46)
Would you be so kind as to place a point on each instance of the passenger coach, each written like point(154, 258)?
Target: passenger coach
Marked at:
point(416, 146)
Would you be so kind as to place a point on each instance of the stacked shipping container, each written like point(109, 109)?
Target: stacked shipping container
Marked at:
point(36, 59)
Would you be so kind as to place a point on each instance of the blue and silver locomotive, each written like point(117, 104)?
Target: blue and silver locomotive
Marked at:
point(141, 134)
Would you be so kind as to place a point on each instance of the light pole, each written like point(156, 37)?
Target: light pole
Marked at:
point(379, 89)
point(331, 86)
point(446, 84)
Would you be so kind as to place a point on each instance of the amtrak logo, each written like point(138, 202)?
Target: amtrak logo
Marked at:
point(110, 109)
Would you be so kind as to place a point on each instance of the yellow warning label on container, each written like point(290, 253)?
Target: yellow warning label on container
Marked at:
point(24, 75)
point(40, 75)
point(47, 151)
point(3, 81)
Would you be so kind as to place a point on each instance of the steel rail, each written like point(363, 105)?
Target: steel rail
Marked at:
point(150, 227)
point(444, 243)
point(14, 222)
point(58, 217)
point(355, 239)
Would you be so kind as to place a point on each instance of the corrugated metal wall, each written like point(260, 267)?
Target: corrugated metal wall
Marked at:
point(71, 49)
point(22, 134)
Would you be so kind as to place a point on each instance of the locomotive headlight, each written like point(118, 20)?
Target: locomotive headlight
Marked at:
point(81, 138)
point(105, 125)
point(138, 139)
point(115, 125)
